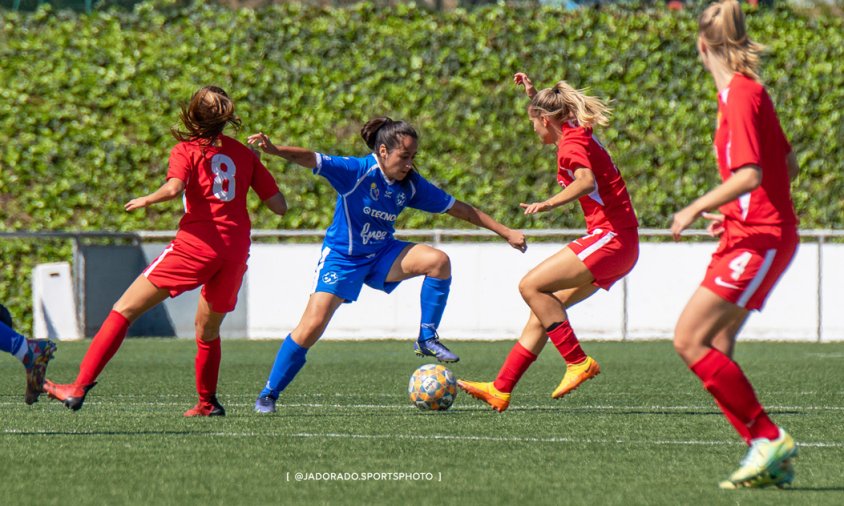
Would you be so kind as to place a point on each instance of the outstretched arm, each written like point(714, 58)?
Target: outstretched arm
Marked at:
point(168, 191)
point(583, 184)
point(300, 156)
point(479, 218)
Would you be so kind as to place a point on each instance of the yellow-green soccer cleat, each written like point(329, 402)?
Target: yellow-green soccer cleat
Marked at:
point(768, 462)
point(575, 375)
point(486, 392)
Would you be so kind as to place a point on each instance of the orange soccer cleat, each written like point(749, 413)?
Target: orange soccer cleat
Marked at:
point(486, 392)
point(71, 395)
point(575, 375)
point(211, 407)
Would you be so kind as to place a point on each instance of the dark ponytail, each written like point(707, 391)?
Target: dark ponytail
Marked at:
point(384, 130)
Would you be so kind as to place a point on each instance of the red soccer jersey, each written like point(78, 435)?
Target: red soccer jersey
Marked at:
point(749, 132)
point(217, 180)
point(609, 206)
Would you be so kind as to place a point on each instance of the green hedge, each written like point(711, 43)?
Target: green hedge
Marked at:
point(87, 102)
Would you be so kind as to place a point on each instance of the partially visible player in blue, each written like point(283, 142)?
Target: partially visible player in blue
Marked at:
point(34, 354)
point(359, 246)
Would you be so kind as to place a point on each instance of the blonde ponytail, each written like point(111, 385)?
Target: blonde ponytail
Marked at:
point(565, 103)
point(723, 30)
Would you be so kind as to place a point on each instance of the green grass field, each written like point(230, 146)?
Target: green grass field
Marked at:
point(644, 432)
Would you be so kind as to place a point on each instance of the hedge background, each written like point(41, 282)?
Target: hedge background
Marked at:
point(88, 100)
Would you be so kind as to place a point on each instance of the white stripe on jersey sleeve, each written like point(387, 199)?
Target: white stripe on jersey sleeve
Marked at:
point(318, 167)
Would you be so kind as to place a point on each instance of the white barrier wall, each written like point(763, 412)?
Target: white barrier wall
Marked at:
point(53, 303)
point(485, 302)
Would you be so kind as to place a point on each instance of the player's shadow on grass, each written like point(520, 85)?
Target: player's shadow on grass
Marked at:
point(681, 413)
point(621, 410)
point(107, 433)
point(813, 489)
point(374, 414)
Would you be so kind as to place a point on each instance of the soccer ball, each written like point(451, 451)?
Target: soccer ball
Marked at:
point(432, 387)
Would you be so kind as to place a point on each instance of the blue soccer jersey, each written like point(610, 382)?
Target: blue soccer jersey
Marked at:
point(368, 203)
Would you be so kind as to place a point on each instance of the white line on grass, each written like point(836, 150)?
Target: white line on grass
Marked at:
point(479, 407)
point(554, 439)
point(441, 437)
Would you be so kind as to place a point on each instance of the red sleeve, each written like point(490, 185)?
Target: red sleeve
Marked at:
point(744, 122)
point(573, 156)
point(262, 181)
point(180, 165)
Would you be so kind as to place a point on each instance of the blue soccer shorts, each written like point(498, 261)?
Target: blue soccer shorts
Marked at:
point(344, 275)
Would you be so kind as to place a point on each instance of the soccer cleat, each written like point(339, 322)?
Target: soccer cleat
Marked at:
point(71, 395)
point(575, 375)
point(265, 405)
point(207, 408)
point(434, 348)
point(486, 392)
point(767, 462)
point(35, 362)
point(784, 476)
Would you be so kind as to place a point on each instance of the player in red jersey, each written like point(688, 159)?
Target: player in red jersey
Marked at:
point(564, 116)
point(214, 172)
point(758, 231)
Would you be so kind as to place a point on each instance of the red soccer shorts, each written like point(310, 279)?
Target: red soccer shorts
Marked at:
point(745, 268)
point(181, 268)
point(609, 255)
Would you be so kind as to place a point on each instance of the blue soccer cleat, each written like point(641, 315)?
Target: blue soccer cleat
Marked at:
point(265, 405)
point(434, 348)
point(35, 362)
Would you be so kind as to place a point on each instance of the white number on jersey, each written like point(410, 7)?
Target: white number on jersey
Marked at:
point(224, 170)
point(739, 264)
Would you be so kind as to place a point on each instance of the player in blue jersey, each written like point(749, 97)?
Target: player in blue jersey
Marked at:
point(359, 246)
point(34, 354)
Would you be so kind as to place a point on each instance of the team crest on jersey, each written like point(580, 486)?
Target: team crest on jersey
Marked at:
point(401, 198)
point(373, 191)
point(330, 278)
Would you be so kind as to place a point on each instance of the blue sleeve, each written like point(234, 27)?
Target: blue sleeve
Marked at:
point(341, 171)
point(428, 197)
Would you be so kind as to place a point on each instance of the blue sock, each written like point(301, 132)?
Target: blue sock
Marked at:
point(11, 341)
point(433, 298)
point(288, 361)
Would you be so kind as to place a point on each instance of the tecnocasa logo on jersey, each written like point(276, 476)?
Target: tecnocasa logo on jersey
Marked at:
point(381, 215)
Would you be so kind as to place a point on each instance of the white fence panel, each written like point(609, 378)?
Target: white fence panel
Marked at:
point(485, 301)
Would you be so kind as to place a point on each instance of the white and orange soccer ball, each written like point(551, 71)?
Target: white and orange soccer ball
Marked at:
point(432, 387)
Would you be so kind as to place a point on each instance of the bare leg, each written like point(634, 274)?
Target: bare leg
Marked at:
point(562, 271)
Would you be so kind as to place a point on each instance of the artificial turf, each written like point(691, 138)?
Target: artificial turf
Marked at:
point(643, 432)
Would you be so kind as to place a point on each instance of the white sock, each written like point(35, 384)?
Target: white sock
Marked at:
point(22, 350)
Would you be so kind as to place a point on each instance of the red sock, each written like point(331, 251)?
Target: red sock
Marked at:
point(208, 354)
point(103, 347)
point(566, 342)
point(516, 364)
point(726, 382)
point(736, 423)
